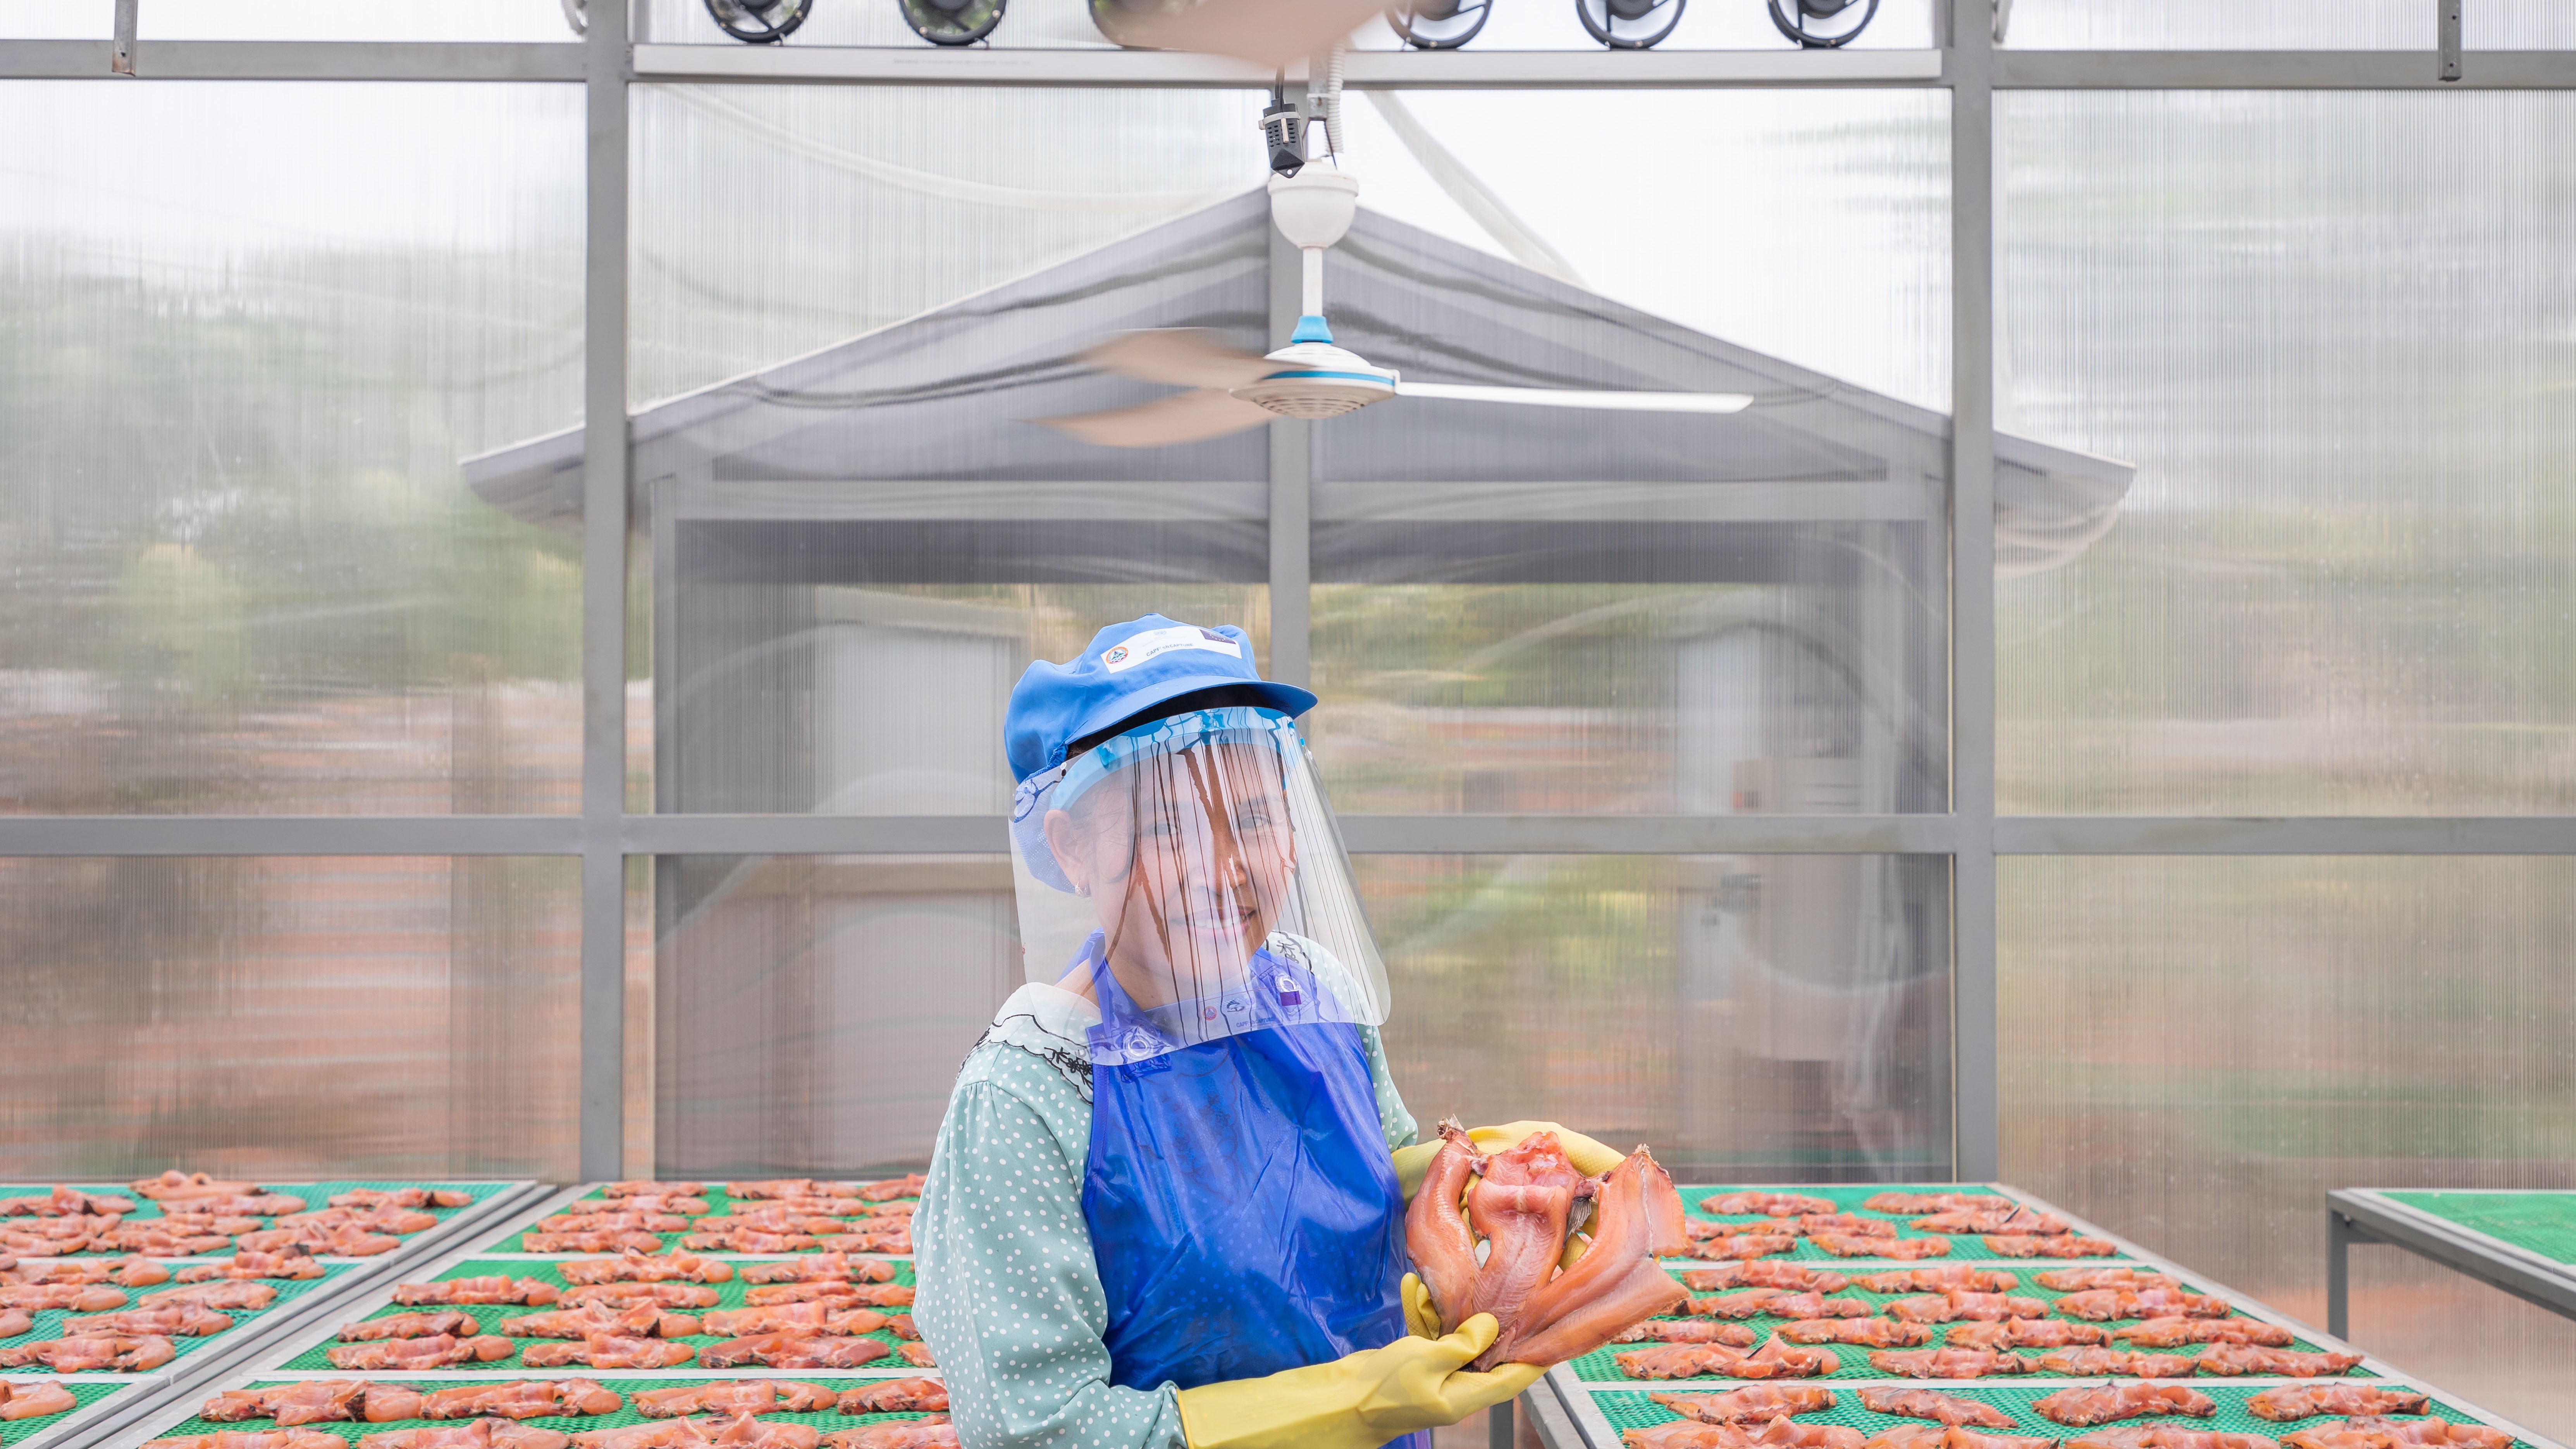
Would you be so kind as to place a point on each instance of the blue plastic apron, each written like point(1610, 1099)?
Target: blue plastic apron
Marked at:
point(1241, 1201)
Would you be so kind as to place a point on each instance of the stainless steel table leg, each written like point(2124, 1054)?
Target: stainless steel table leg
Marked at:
point(1498, 1426)
point(2339, 1240)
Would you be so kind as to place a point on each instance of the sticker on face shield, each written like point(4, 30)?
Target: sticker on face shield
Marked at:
point(1289, 995)
point(1155, 642)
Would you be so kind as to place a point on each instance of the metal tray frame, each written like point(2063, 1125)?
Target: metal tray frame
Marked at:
point(2369, 1215)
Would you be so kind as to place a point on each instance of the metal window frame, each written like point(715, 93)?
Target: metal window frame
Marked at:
point(610, 59)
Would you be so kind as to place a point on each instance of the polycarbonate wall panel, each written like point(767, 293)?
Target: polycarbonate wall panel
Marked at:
point(1822, 236)
point(2194, 1050)
point(289, 1017)
point(812, 1011)
point(1753, 1018)
point(773, 220)
point(237, 372)
point(2283, 25)
point(2332, 332)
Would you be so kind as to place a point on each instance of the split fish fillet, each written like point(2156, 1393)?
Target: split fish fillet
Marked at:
point(1948, 1363)
point(2031, 1245)
point(2026, 1333)
point(480, 1292)
point(416, 1354)
point(1935, 1405)
point(734, 1397)
point(934, 1432)
point(1769, 1204)
point(2235, 1360)
point(1753, 1404)
point(2306, 1401)
point(656, 1268)
point(411, 1325)
point(2372, 1432)
point(1940, 1278)
point(794, 1351)
point(607, 1351)
point(2087, 1363)
point(2079, 1408)
point(898, 1396)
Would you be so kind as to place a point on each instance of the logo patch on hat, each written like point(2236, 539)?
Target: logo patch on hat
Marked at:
point(1154, 643)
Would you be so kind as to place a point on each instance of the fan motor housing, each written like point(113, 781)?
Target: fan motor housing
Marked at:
point(1319, 380)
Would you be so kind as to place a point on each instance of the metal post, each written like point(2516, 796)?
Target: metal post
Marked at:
point(2339, 1240)
point(603, 602)
point(121, 58)
point(1974, 1126)
point(1292, 461)
point(2450, 41)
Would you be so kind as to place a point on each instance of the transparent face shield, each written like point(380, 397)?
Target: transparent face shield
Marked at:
point(1187, 877)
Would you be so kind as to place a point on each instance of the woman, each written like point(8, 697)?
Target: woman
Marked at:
point(1164, 1208)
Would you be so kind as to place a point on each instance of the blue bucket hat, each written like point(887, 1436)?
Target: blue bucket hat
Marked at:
point(1128, 669)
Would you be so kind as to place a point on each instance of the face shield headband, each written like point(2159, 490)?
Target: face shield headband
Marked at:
point(1188, 878)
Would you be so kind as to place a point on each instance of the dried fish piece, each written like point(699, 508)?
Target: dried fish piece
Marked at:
point(1948, 1363)
point(898, 1396)
point(1768, 1204)
point(416, 1354)
point(2233, 1360)
point(2032, 1245)
point(1846, 1245)
point(2085, 1363)
point(477, 1292)
point(2081, 1407)
point(1752, 1404)
point(1935, 1405)
point(2306, 1401)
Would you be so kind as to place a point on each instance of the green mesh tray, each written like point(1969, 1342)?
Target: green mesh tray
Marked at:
point(729, 1295)
point(2536, 1222)
point(315, 1194)
point(1636, 1411)
point(49, 1322)
point(1848, 1198)
point(574, 1424)
point(719, 1204)
point(1599, 1366)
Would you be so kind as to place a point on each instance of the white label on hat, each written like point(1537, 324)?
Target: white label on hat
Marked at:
point(1141, 647)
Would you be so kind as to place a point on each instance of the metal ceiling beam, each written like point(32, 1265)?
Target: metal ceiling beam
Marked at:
point(1366, 70)
point(333, 60)
point(2377, 70)
point(293, 60)
point(64, 835)
point(2289, 835)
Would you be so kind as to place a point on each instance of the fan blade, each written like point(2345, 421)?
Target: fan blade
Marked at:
point(1617, 402)
point(1184, 417)
point(1181, 356)
point(1269, 33)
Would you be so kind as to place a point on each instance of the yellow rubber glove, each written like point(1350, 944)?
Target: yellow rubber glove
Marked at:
point(1588, 1156)
point(1358, 1401)
point(1420, 1318)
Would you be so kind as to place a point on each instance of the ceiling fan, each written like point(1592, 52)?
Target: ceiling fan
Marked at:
point(1311, 377)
